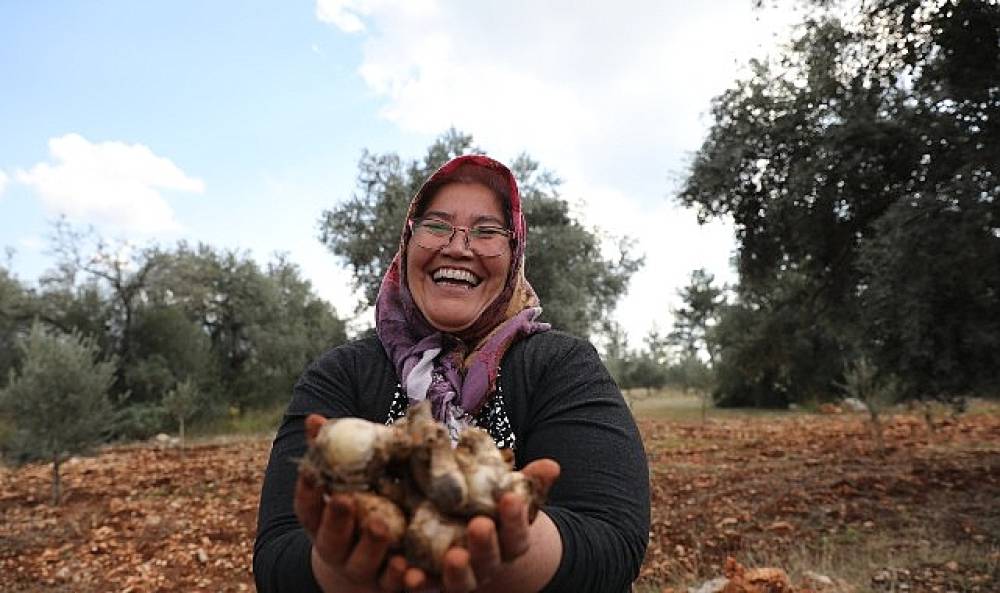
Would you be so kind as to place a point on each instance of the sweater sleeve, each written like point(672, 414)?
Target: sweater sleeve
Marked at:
point(600, 503)
point(329, 387)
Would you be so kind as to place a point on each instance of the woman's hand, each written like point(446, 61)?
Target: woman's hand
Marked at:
point(495, 552)
point(344, 560)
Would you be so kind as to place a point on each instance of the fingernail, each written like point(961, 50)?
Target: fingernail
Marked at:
point(339, 506)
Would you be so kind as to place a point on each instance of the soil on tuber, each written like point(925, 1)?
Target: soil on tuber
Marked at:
point(409, 476)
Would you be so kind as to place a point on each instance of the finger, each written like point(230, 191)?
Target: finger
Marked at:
point(391, 580)
point(484, 548)
point(308, 504)
point(513, 528)
point(314, 422)
point(456, 571)
point(415, 579)
point(365, 559)
point(335, 535)
point(544, 472)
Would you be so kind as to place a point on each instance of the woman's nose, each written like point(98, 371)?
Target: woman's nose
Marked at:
point(459, 243)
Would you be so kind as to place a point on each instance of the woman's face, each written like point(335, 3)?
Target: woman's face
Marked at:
point(453, 302)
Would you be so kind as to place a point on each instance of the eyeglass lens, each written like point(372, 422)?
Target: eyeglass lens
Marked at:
point(439, 234)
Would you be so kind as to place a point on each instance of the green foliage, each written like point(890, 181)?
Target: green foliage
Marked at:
point(863, 382)
point(238, 332)
point(931, 299)
point(182, 403)
point(691, 373)
point(139, 420)
point(860, 172)
point(260, 328)
point(647, 373)
point(58, 400)
point(694, 320)
point(13, 302)
point(577, 285)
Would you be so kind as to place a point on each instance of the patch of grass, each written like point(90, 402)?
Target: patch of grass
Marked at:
point(679, 406)
point(879, 562)
point(256, 422)
point(884, 560)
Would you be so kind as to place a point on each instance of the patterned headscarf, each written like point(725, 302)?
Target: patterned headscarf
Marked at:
point(457, 372)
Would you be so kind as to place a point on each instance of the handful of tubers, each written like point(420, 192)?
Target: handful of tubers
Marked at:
point(410, 477)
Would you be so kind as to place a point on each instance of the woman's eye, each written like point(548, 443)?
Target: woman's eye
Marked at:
point(437, 227)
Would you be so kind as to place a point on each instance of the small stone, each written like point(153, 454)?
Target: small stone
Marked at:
point(818, 580)
point(781, 527)
point(951, 565)
point(202, 556)
point(716, 585)
point(728, 521)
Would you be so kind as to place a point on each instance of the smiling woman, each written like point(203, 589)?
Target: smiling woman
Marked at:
point(453, 309)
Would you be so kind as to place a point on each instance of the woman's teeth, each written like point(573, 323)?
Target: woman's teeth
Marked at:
point(454, 275)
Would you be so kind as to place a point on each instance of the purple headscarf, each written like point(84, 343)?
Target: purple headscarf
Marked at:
point(457, 373)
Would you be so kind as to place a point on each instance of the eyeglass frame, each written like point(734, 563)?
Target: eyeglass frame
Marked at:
point(412, 223)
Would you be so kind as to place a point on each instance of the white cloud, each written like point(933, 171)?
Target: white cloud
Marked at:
point(342, 14)
point(349, 15)
point(3, 182)
point(109, 183)
point(611, 96)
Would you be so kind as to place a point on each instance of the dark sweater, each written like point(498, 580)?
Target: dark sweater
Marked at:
point(562, 404)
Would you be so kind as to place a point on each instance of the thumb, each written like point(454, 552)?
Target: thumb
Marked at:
point(314, 422)
point(544, 473)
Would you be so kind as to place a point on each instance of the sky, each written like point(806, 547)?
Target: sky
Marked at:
point(238, 123)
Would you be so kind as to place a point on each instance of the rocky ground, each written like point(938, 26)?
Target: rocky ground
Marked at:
point(810, 494)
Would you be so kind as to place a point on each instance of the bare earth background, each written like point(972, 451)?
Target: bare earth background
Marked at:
point(800, 491)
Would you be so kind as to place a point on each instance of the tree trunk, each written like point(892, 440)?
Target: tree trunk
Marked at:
point(56, 485)
point(181, 423)
point(929, 417)
point(877, 431)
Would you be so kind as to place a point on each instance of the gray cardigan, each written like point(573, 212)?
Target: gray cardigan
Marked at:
point(561, 403)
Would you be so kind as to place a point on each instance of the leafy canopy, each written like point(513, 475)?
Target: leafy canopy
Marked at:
point(860, 169)
point(58, 400)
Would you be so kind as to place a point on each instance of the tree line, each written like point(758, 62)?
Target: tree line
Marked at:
point(176, 330)
point(860, 167)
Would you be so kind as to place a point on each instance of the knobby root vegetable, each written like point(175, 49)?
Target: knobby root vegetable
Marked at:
point(349, 453)
point(409, 476)
point(430, 535)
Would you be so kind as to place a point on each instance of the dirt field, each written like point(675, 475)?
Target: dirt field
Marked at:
point(802, 492)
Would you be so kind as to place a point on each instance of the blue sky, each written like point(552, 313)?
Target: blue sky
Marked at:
point(237, 123)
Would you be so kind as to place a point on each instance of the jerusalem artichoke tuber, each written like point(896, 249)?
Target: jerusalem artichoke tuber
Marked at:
point(409, 476)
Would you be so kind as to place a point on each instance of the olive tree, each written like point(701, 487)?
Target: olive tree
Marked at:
point(58, 400)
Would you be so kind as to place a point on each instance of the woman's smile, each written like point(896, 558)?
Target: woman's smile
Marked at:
point(456, 277)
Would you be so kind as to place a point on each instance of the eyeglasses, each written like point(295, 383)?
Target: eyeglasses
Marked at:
point(484, 240)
